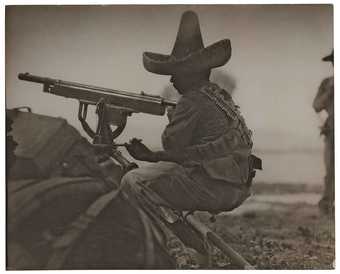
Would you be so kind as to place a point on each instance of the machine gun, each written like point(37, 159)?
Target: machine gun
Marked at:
point(112, 107)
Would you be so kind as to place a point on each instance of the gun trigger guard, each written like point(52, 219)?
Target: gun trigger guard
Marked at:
point(119, 129)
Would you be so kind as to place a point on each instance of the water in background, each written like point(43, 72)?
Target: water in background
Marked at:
point(291, 167)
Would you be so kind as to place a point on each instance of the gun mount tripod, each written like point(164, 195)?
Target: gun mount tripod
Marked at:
point(104, 136)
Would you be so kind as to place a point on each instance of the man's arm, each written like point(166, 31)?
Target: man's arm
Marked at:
point(179, 132)
point(220, 147)
point(175, 138)
point(140, 152)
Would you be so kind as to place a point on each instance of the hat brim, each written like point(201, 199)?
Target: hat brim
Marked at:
point(328, 58)
point(215, 55)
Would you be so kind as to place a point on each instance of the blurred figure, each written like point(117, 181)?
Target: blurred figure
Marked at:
point(324, 100)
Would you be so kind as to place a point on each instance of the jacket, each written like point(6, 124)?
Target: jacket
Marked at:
point(208, 129)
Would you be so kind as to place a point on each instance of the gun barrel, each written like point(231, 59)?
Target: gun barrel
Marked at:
point(147, 103)
point(36, 79)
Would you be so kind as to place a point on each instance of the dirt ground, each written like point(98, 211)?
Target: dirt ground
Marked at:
point(284, 231)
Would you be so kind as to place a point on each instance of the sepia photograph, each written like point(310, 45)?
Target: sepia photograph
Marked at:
point(170, 137)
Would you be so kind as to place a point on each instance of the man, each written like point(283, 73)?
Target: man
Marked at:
point(205, 164)
point(324, 100)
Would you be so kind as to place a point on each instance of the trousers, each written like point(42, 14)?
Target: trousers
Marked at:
point(185, 188)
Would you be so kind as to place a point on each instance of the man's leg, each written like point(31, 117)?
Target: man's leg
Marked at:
point(130, 181)
point(182, 190)
point(171, 182)
point(158, 174)
point(327, 202)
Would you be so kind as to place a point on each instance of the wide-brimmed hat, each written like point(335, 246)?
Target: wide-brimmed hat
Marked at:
point(188, 54)
point(329, 58)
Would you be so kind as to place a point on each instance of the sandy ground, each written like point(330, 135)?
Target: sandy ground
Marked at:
point(279, 227)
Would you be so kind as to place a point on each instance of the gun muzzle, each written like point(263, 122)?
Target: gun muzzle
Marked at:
point(36, 79)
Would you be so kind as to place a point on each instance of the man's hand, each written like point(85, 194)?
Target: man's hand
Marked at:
point(139, 151)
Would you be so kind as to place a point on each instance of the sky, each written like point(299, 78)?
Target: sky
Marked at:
point(275, 63)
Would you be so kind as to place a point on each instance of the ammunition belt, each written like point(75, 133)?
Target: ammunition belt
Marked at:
point(223, 102)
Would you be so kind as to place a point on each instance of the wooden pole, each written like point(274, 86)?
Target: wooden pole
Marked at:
point(219, 243)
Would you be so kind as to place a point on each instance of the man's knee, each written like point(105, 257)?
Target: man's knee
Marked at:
point(129, 179)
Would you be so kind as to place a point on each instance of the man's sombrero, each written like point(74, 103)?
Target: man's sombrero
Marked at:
point(329, 58)
point(189, 53)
